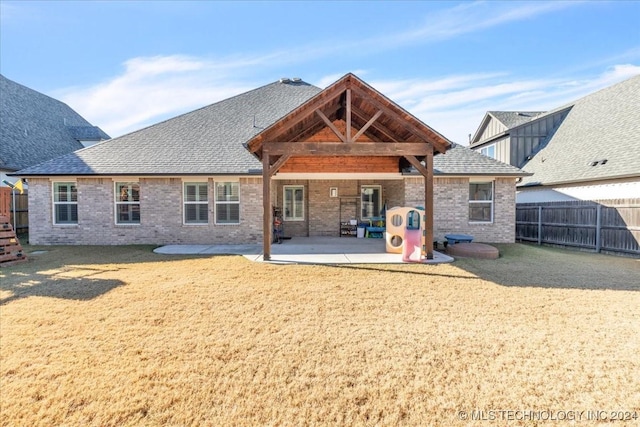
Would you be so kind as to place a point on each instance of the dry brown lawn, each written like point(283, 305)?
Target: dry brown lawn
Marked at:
point(119, 336)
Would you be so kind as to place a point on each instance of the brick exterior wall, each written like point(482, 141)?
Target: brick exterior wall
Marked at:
point(162, 219)
point(451, 208)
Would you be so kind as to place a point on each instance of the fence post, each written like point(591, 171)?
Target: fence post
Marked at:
point(598, 227)
point(539, 225)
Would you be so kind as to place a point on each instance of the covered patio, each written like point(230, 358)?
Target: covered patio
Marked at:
point(307, 250)
point(348, 131)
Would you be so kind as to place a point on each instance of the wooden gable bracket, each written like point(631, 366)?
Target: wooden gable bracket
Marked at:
point(273, 169)
point(349, 111)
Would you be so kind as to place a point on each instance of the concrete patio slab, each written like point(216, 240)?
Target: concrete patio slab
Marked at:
point(306, 250)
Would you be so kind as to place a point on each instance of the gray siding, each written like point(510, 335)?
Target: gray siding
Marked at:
point(529, 138)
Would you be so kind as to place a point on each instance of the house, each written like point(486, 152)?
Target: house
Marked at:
point(586, 150)
point(35, 128)
point(321, 157)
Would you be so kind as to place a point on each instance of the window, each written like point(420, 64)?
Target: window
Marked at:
point(370, 196)
point(489, 151)
point(481, 201)
point(227, 203)
point(294, 203)
point(65, 201)
point(196, 203)
point(127, 203)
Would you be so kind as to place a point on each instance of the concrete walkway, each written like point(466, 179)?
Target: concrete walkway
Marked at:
point(307, 250)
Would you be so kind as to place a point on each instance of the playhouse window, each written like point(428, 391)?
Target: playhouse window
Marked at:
point(65, 201)
point(293, 202)
point(481, 202)
point(196, 203)
point(371, 196)
point(127, 203)
point(227, 203)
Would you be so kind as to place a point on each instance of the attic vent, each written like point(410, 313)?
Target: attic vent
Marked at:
point(524, 114)
point(296, 79)
point(285, 80)
point(598, 162)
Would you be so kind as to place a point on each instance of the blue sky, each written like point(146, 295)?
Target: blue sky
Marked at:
point(125, 65)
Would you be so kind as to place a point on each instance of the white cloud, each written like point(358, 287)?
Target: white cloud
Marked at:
point(454, 106)
point(154, 88)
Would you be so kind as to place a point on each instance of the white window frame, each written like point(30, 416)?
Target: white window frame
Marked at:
point(67, 203)
point(118, 202)
point(196, 202)
point(485, 151)
point(225, 202)
point(379, 188)
point(297, 216)
point(478, 202)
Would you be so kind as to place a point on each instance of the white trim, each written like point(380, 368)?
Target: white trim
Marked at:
point(216, 203)
point(185, 202)
point(481, 179)
point(492, 202)
point(284, 203)
point(379, 187)
point(115, 204)
point(54, 204)
point(486, 147)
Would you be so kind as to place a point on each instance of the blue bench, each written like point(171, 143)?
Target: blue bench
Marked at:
point(452, 239)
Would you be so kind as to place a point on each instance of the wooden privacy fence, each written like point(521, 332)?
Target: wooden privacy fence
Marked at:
point(609, 225)
point(22, 208)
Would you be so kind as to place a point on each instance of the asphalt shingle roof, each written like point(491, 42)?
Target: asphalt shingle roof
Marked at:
point(512, 119)
point(35, 127)
point(460, 160)
point(602, 126)
point(211, 140)
point(205, 141)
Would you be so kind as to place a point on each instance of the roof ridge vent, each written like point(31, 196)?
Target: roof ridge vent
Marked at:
point(285, 80)
point(296, 79)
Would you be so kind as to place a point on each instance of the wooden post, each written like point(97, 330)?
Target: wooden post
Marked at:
point(266, 204)
point(539, 225)
point(428, 203)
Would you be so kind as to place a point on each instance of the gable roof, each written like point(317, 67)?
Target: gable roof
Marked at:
point(35, 127)
point(509, 119)
point(601, 126)
point(351, 100)
point(211, 141)
point(205, 141)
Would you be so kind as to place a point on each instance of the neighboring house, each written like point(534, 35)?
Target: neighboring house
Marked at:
point(586, 150)
point(330, 155)
point(35, 128)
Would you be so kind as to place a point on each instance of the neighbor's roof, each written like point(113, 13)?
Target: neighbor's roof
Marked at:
point(205, 141)
point(509, 119)
point(512, 119)
point(35, 127)
point(602, 126)
point(462, 161)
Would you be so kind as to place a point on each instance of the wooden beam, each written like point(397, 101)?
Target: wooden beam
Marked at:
point(332, 126)
point(266, 205)
point(367, 125)
point(416, 164)
point(388, 133)
point(273, 169)
point(404, 119)
point(428, 204)
point(348, 117)
point(308, 148)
